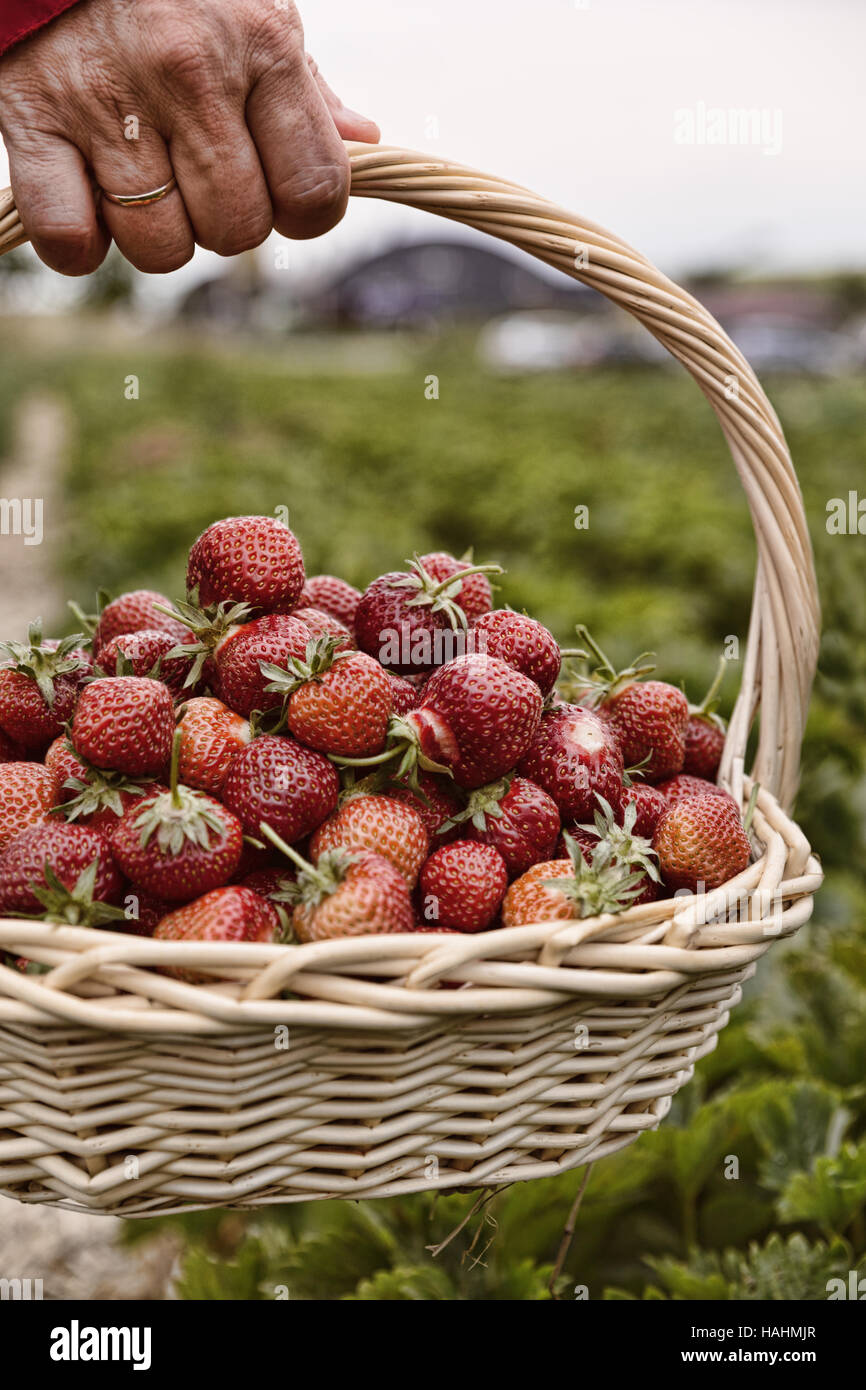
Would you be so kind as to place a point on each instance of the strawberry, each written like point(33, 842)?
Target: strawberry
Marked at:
point(211, 735)
point(124, 723)
point(89, 795)
point(47, 861)
point(246, 559)
point(705, 732)
point(336, 702)
point(240, 654)
point(12, 752)
point(346, 894)
point(26, 796)
point(131, 612)
point(180, 843)
point(323, 624)
point(270, 883)
point(404, 695)
point(141, 911)
point(410, 621)
point(701, 843)
point(477, 717)
point(650, 805)
point(330, 595)
point(514, 815)
point(572, 888)
point(145, 653)
point(278, 780)
point(39, 688)
point(379, 823)
point(436, 801)
point(573, 756)
point(521, 641)
point(462, 885)
point(474, 595)
point(224, 914)
point(648, 717)
point(684, 784)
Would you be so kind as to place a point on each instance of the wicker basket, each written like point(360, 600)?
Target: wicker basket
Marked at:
point(347, 1068)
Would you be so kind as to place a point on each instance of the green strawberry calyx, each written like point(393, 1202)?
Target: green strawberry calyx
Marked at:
point(482, 803)
point(403, 742)
point(72, 906)
point(97, 790)
point(314, 882)
point(440, 595)
point(599, 886)
point(207, 626)
point(180, 816)
point(601, 681)
point(627, 848)
point(321, 654)
point(42, 663)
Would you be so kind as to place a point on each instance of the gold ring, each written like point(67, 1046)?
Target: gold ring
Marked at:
point(140, 200)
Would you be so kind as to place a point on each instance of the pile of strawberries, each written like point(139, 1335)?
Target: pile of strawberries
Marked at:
point(280, 757)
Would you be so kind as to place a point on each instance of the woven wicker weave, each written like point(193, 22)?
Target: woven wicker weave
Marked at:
point(380, 1065)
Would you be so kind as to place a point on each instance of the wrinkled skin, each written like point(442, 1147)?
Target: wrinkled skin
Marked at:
point(220, 92)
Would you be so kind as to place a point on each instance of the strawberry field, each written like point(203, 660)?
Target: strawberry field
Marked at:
point(610, 500)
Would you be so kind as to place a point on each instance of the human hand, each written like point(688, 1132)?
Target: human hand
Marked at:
point(218, 92)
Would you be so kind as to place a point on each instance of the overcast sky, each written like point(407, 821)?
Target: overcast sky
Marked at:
point(609, 106)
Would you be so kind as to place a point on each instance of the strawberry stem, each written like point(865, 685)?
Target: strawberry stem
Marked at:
point(443, 584)
point(175, 766)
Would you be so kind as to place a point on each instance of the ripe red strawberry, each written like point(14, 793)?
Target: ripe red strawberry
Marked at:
point(141, 911)
point(323, 624)
point(605, 841)
point(477, 717)
point(247, 559)
point(349, 895)
point(274, 640)
point(224, 914)
point(705, 732)
point(125, 723)
point(650, 805)
point(26, 796)
point(379, 823)
point(404, 695)
point(462, 885)
point(89, 795)
point(337, 702)
point(436, 801)
point(684, 784)
point(39, 687)
point(649, 717)
point(211, 735)
point(140, 608)
point(705, 743)
point(701, 843)
point(521, 641)
point(516, 817)
point(145, 653)
point(277, 780)
point(532, 898)
point(574, 756)
point(180, 843)
point(45, 856)
point(12, 752)
point(331, 595)
point(474, 595)
point(411, 622)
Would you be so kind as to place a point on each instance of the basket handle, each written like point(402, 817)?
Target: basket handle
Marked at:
point(782, 647)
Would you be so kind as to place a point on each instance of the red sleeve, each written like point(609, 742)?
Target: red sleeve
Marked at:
point(18, 18)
